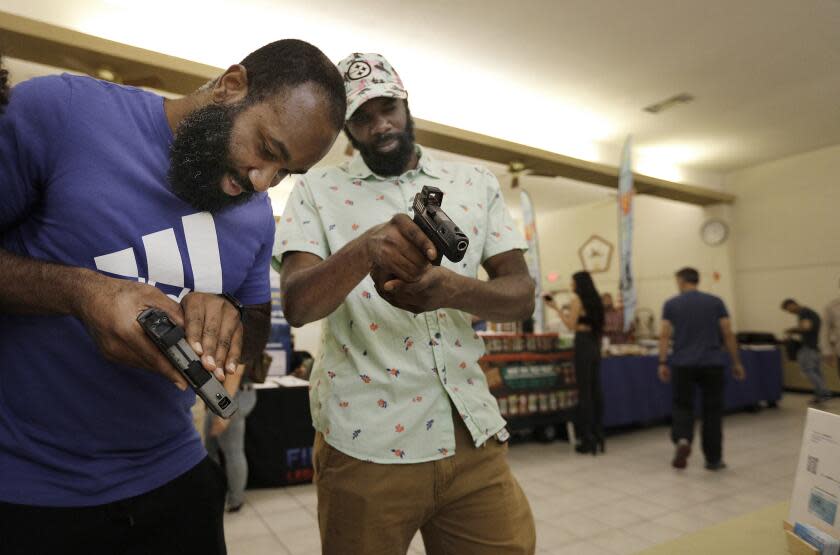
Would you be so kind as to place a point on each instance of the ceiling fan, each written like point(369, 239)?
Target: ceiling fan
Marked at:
point(517, 169)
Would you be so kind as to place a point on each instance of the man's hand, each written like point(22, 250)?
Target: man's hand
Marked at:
point(433, 290)
point(109, 308)
point(218, 425)
point(214, 331)
point(664, 373)
point(313, 288)
point(399, 249)
point(738, 372)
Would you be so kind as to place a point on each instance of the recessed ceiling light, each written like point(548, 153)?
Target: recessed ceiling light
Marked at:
point(682, 98)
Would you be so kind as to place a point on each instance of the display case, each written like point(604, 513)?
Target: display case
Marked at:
point(532, 377)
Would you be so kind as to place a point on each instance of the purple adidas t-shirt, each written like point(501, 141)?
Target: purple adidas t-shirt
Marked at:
point(83, 167)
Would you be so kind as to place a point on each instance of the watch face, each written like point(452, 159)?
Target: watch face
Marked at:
point(714, 232)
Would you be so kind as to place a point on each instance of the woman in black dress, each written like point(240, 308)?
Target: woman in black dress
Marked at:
point(586, 317)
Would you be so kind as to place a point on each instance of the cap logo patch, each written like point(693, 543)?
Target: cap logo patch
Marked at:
point(358, 70)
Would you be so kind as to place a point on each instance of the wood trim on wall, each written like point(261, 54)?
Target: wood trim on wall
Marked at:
point(43, 43)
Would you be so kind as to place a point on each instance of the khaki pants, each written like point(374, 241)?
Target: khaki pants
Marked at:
point(469, 504)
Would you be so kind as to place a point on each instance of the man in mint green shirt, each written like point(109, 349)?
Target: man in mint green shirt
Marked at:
point(410, 437)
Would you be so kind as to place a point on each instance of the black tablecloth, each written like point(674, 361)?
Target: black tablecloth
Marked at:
point(279, 437)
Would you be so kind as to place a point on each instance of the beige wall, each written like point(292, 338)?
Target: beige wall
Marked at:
point(787, 236)
point(667, 237)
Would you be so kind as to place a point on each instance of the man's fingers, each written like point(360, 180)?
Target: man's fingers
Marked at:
point(413, 256)
point(229, 323)
point(413, 233)
point(403, 268)
point(210, 340)
point(399, 247)
point(229, 357)
point(406, 243)
point(194, 326)
point(393, 285)
point(172, 309)
point(431, 251)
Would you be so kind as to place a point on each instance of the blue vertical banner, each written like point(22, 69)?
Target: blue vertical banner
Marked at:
point(532, 257)
point(625, 234)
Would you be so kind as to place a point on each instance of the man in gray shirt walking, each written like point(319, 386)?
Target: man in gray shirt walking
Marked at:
point(808, 356)
point(700, 326)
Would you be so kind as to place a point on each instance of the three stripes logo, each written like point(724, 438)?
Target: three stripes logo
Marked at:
point(164, 261)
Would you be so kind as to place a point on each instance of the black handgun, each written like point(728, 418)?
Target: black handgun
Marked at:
point(170, 339)
point(447, 237)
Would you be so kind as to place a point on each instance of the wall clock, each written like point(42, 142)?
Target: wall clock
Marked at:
point(714, 232)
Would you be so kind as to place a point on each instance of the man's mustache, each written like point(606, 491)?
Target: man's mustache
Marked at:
point(382, 139)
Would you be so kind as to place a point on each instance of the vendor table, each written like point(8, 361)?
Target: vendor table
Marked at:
point(279, 438)
point(279, 433)
point(633, 393)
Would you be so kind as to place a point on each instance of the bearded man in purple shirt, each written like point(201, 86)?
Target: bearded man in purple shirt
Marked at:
point(116, 200)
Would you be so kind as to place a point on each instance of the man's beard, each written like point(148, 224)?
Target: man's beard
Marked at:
point(388, 164)
point(199, 159)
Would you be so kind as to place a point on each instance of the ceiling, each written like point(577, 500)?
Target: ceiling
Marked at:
point(569, 76)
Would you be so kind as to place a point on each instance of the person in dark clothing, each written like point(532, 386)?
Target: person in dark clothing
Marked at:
point(700, 326)
point(586, 317)
point(832, 328)
point(301, 366)
point(808, 356)
point(116, 200)
point(614, 321)
point(4, 87)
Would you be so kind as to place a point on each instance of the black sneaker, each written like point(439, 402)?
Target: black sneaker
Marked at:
point(235, 508)
point(681, 455)
point(715, 466)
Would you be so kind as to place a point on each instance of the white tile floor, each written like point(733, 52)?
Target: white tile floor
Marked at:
point(623, 502)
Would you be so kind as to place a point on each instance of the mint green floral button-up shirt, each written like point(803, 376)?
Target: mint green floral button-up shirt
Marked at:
point(382, 387)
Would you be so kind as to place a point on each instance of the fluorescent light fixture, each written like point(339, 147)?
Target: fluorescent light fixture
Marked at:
point(661, 169)
point(665, 160)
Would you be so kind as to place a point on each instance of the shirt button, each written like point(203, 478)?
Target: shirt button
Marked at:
point(437, 335)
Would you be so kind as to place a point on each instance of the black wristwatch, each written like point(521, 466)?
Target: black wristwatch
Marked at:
point(235, 302)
